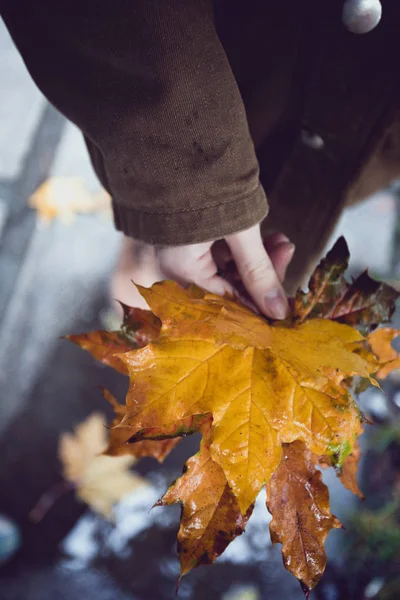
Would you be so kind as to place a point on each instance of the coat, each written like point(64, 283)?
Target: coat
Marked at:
point(196, 111)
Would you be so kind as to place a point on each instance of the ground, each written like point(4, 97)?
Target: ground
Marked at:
point(53, 281)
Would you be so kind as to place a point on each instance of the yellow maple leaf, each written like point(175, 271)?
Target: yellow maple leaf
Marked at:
point(100, 481)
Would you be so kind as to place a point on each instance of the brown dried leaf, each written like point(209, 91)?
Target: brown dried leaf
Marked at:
point(349, 470)
point(298, 501)
point(139, 326)
point(363, 303)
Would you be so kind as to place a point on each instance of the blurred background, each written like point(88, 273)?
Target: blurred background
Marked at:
point(56, 258)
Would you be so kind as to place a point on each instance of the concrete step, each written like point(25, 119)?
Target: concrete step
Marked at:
point(21, 106)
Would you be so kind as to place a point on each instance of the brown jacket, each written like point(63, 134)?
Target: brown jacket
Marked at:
point(192, 108)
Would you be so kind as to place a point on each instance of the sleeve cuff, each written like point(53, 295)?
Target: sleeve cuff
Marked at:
point(192, 226)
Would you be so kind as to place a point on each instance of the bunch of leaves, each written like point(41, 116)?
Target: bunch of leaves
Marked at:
point(273, 401)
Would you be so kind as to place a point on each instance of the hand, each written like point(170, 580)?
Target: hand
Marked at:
point(241, 260)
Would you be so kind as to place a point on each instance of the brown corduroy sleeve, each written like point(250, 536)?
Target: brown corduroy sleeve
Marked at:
point(148, 83)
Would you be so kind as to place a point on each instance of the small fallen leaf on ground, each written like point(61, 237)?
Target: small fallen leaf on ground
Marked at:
point(64, 197)
point(100, 481)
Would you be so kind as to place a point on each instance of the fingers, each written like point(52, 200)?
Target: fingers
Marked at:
point(222, 255)
point(258, 273)
point(280, 250)
point(246, 264)
point(278, 247)
point(193, 264)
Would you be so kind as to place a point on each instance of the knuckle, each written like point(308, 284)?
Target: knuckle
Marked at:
point(257, 272)
point(209, 271)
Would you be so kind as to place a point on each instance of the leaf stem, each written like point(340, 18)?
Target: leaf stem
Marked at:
point(48, 499)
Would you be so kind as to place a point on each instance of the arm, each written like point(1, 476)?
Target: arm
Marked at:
point(151, 88)
point(148, 83)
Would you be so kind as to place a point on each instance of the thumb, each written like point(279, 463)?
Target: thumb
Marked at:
point(257, 272)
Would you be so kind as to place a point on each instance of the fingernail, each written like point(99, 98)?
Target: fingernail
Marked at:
point(291, 248)
point(276, 304)
point(281, 238)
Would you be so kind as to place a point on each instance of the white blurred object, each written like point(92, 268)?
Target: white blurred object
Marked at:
point(396, 399)
point(361, 16)
point(374, 587)
point(369, 229)
point(241, 592)
point(10, 539)
point(80, 544)
point(249, 546)
point(3, 216)
point(312, 140)
point(131, 516)
point(375, 403)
